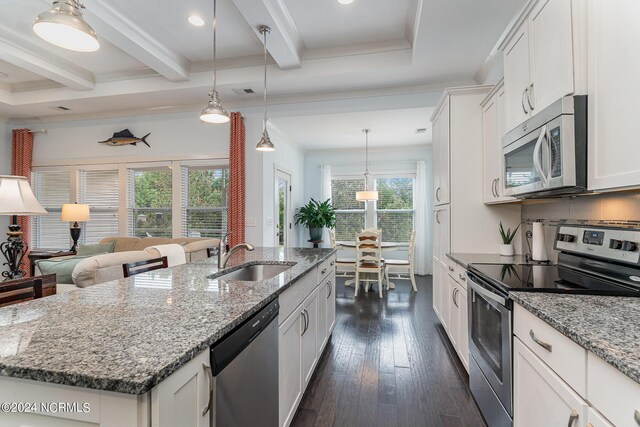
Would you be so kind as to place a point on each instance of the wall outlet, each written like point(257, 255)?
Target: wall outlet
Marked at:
point(250, 221)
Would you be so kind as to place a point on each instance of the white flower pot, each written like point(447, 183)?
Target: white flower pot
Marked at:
point(507, 250)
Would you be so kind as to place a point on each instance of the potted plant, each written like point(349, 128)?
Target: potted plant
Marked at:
point(506, 248)
point(316, 216)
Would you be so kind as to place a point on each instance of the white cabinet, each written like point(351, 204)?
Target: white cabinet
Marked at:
point(303, 334)
point(440, 129)
point(541, 56)
point(185, 397)
point(516, 78)
point(595, 419)
point(309, 337)
point(441, 234)
point(540, 397)
point(463, 321)
point(457, 325)
point(613, 94)
point(437, 289)
point(493, 112)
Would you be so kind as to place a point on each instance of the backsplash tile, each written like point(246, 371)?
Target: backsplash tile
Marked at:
point(614, 209)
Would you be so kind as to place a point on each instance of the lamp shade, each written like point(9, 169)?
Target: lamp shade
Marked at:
point(16, 197)
point(74, 212)
point(64, 26)
point(363, 196)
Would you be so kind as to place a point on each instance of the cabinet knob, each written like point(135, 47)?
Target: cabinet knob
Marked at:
point(462, 277)
point(450, 268)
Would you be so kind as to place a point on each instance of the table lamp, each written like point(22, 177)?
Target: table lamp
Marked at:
point(74, 212)
point(16, 198)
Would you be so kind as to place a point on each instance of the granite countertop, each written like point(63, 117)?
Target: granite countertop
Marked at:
point(465, 259)
point(128, 335)
point(605, 325)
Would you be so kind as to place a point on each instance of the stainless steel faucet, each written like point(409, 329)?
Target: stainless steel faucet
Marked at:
point(224, 255)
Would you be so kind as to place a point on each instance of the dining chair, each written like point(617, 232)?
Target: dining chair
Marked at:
point(134, 268)
point(18, 290)
point(345, 267)
point(403, 266)
point(369, 260)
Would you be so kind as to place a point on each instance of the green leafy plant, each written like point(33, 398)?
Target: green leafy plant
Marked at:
point(507, 236)
point(316, 214)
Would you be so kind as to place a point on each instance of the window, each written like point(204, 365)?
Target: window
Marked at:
point(204, 201)
point(350, 214)
point(394, 208)
point(51, 188)
point(149, 202)
point(100, 190)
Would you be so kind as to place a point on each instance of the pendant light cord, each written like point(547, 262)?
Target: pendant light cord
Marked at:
point(366, 157)
point(264, 31)
point(215, 24)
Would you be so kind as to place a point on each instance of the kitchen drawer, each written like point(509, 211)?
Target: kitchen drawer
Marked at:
point(563, 356)
point(595, 419)
point(326, 267)
point(293, 297)
point(458, 272)
point(612, 393)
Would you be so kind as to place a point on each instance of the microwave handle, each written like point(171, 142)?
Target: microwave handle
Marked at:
point(536, 155)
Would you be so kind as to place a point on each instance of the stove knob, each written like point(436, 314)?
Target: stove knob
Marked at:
point(560, 237)
point(629, 246)
point(569, 238)
point(615, 244)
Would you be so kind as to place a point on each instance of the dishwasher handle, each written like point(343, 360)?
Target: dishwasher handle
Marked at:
point(237, 340)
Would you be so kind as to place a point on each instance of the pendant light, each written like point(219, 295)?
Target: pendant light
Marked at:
point(64, 26)
point(265, 143)
point(214, 112)
point(366, 195)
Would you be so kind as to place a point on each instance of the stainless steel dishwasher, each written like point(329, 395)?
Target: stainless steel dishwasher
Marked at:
point(245, 364)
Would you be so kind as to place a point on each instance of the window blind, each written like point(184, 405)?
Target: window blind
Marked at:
point(149, 193)
point(100, 190)
point(395, 208)
point(350, 213)
point(204, 201)
point(52, 189)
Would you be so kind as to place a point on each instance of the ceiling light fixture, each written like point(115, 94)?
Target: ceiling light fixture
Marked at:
point(366, 195)
point(265, 143)
point(195, 20)
point(214, 112)
point(345, 2)
point(64, 26)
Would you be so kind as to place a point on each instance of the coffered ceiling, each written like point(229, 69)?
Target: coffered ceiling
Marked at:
point(151, 58)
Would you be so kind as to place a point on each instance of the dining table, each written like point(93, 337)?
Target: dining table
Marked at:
point(385, 246)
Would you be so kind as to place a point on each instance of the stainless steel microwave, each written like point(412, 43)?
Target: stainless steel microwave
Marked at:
point(547, 155)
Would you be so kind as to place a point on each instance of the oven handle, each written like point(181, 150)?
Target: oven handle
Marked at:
point(536, 155)
point(485, 293)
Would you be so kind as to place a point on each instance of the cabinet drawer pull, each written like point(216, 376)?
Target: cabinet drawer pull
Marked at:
point(529, 93)
point(209, 372)
point(332, 263)
point(542, 344)
point(450, 268)
point(524, 92)
point(324, 270)
point(572, 418)
point(438, 194)
point(456, 292)
point(329, 285)
point(306, 321)
point(636, 416)
point(438, 217)
point(464, 279)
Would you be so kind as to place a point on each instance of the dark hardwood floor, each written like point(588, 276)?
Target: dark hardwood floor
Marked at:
point(388, 363)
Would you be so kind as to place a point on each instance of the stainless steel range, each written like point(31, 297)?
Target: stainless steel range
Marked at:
point(592, 260)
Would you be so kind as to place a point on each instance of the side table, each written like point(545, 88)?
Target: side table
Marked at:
point(37, 254)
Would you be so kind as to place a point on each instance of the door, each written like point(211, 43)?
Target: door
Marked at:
point(540, 397)
point(309, 336)
point(289, 355)
point(283, 224)
point(516, 78)
point(551, 53)
point(443, 220)
point(442, 154)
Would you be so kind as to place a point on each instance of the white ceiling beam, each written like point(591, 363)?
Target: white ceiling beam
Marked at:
point(132, 39)
point(22, 53)
point(284, 43)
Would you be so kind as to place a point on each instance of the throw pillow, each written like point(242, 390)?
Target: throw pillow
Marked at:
point(62, 267)
point(96, 249)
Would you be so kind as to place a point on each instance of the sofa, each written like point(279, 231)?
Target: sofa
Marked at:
point(92, 270)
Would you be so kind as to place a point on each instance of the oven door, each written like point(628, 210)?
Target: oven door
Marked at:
point(490, 338)
point(541, 160)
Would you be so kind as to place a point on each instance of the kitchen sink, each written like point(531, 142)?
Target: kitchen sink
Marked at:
point(255, 272)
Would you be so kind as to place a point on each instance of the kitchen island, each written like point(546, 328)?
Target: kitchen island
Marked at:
point(115, 342)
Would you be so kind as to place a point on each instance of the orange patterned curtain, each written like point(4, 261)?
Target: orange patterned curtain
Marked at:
point(236, 193)
point(21, 159)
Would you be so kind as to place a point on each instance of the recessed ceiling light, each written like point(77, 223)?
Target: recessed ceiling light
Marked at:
point(345, 1)
point(195, 20)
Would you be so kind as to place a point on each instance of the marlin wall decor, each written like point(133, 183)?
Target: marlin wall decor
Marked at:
point(125, 137)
